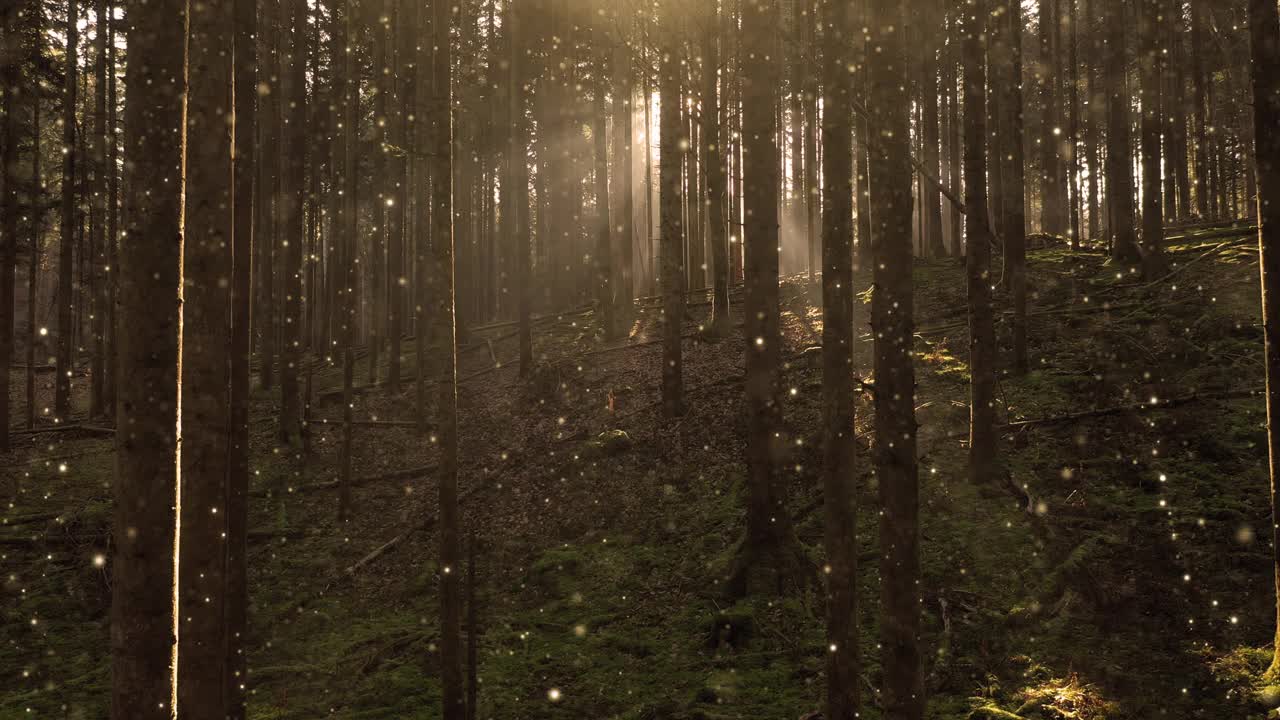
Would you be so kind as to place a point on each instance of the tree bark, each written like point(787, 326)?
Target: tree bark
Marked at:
point(892, 326)
point(839, 494)
point(293, 202)
point(98, 203)
point(1124, 249)
point(445, 334)
point(1153, 264)
point(66, 252)
point(982, 351)
point(714, 166)
point(244, 77)
point(1264, 36)
point(1013, 203)
point(205, 363)
point(604, 231)
point(8, 215)
point(146, 487)
point(671, 135)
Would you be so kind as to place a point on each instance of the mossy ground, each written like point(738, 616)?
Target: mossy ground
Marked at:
point(1120, 572)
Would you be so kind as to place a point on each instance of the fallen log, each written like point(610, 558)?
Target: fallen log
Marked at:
point(404, 474)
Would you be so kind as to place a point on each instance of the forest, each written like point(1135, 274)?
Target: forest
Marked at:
point(639, 359)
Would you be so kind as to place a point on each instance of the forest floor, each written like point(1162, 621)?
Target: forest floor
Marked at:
point(1119, 572)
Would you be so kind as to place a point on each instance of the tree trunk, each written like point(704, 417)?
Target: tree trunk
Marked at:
point(97, 231)
point(1013, 203)
point(604, 235)
point(1199, 118)
point(347, 239)
point(1153, 265)
point(671, 135)
point(146, 486)
point(1124, 248)
point(839, 482)
point(269, 200)
point(444, 333)
point(1264, 36)
point(1053, 216)
point(37, 218)
point(66, 253)
point(892, 326)
point(982, 351)
point(8, 216)
point(714, 165)
point(245, 90)
point(113, 224)
point(205, 365)
point(293, 199)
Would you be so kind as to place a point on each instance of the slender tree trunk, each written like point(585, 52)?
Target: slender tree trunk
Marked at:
point(113, 224)
point(1199, 118)
point(245, 91)
point(269, 198)
point(1124, 248)
point(518, 180)
point(347, 237)
point(982, 351)
point(671, 134)
point(293, 203)
point(769, 557)
point(1052, 211)
point(1152, 201)
point(205, 365)
point(66, 292)
point(604, 235)
point(143, 641)
point(445, 334)
point(1264, 36)
point(714, 166)
point(403, 39)
point(839, 481)
point(622, 114)
point(98, 204)
point(892, 326)
point(37, 222)
point(8, 213)
point(1013, 203)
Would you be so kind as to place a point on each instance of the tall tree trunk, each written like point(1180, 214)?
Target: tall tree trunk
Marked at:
point(1199, 118)
point(892, 326)
point(347, 238)
point(406, 14)
point(839, 480)
point(205, 363)
point(1073, 125)
point(671, 135)
point(98, 263)
point(768, 558)
point(8, 212)
point(245, 91)
point(714, 165)
point(293, 202)
point(445, 335)
point(269, 200)
point(517, 180)
point(1177, 105)
point(982, 351)
point(113, 223)
point(66, 252)
point(1053, 215)
point(1124, 248)
point(930, 132)
point(624, 292)
point(1264, 36)
point(1152, 201)
point(1013, 203)
point(143, 641)
point(33, 264)
point(604, 235)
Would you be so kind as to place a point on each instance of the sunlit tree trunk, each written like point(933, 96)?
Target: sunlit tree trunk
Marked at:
point(604, 260)
point(892, 326)
point(1264, 36)
point(146, 483)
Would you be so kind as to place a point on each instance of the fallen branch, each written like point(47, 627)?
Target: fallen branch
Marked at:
point(87, 429)
point(1133, 407)
point(404, 474)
